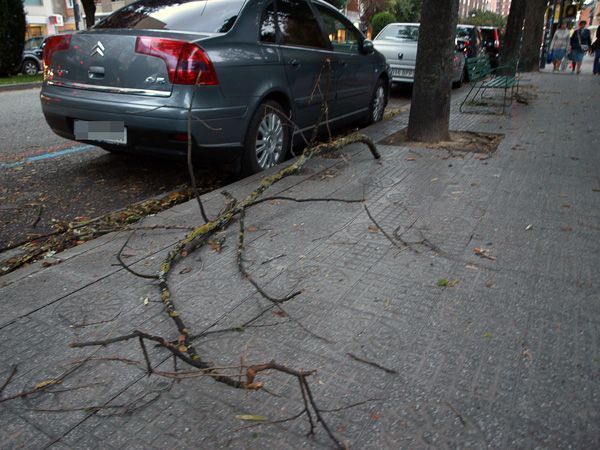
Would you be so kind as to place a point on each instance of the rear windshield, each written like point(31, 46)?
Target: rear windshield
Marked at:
point(202, 16)
point(488, 34)
point(399, 33)
point(463, 33)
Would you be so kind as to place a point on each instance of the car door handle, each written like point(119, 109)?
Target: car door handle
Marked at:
point(294, 62)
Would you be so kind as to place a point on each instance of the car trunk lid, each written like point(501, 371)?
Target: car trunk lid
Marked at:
point(398, 51)
point(110, 61)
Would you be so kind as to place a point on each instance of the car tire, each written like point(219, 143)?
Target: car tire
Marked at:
point(267, 140)
point(378, 103)
point(30, 67)
point(460, 81)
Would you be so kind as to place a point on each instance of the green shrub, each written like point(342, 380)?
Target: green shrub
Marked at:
point(380, 20)
point(12, 36)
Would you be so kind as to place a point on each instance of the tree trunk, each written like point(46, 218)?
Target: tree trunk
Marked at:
point(533, 35)
point(429, 119)
point(514, 32)
point(89, 7)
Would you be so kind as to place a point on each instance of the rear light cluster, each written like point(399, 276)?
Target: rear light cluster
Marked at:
point(186, 62)
point(52, 45)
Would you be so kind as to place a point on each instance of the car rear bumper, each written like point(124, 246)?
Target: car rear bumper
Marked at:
point(151, 124)
point(402, 73)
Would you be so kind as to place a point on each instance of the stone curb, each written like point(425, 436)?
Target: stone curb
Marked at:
point(19, 86)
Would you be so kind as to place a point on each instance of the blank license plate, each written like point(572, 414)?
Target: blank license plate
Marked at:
point(408, 73)
point(101, 131)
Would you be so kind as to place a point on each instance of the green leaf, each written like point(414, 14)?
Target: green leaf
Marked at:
point(442, 282)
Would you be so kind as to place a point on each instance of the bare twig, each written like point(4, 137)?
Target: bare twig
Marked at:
point(371, 363)
point(13, 372)
point(128, 268)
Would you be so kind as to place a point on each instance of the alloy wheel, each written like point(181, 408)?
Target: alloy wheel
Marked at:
point(269, 140)
point(378, 103)
point(30, 68)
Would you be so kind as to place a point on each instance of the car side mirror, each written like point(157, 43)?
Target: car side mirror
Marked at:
point(367, 46)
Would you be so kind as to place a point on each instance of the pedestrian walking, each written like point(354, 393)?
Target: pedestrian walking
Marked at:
point(580, 44)
point(559, 45)
point(596, 52)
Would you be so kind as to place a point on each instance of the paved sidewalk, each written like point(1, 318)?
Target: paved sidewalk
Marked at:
point(507, 355)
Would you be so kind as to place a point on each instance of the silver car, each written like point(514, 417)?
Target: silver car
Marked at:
point(233, 71)
point(398, 43)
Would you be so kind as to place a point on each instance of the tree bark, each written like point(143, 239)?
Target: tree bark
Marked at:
point(533, 35)
point(514, 32)
point(89, 7)
point(429, 119)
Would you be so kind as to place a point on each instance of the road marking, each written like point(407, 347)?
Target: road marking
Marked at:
point(47, 155)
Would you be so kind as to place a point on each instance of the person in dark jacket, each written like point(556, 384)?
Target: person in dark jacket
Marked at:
point(596, 49)
point(580, 45)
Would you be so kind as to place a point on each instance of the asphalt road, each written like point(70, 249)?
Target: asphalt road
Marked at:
point(45, 176)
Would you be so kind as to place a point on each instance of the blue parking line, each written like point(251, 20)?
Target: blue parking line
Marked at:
point(49, 155)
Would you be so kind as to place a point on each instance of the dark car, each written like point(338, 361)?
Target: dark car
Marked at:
point(237, 72)
point(491, 43)
point(32, 55)
point(470, 41)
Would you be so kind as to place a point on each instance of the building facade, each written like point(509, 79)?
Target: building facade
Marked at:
point(502, 7)
point(466, 6)
point(45, 17)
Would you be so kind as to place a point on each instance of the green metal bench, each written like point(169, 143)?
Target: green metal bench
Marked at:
point(482, 77)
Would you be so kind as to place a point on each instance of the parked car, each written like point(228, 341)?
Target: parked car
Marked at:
point(469, 41)
point(398, 43)
point(491, 43)
point(235, 70)
point(32, 55)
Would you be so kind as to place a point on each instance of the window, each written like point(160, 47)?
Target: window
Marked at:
point(400, 33)
point(203, 16)
point(268, 24)
point(343, 37)
point(69, 3)
point(298, 25)
point(33, 2)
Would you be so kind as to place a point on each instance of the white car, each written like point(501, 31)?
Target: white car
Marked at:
point(398, 43)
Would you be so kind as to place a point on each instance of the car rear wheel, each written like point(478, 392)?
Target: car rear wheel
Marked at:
point(30, 67)
point(267, 139)
point(377, 103)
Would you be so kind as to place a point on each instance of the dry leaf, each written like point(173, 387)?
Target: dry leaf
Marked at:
point(280, 313)
point(566, 205)
point(252, 228)
point(488, 284)
point(376, 415)
point(410, 158)
point(146, 301)
point(453, 282)
point(185, 270)
point(43, 384)
point(373, 229)
point(483, 253)
point(251, 417)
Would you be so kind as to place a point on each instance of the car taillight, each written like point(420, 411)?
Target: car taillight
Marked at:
point(186, 62)
point(55, 44)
